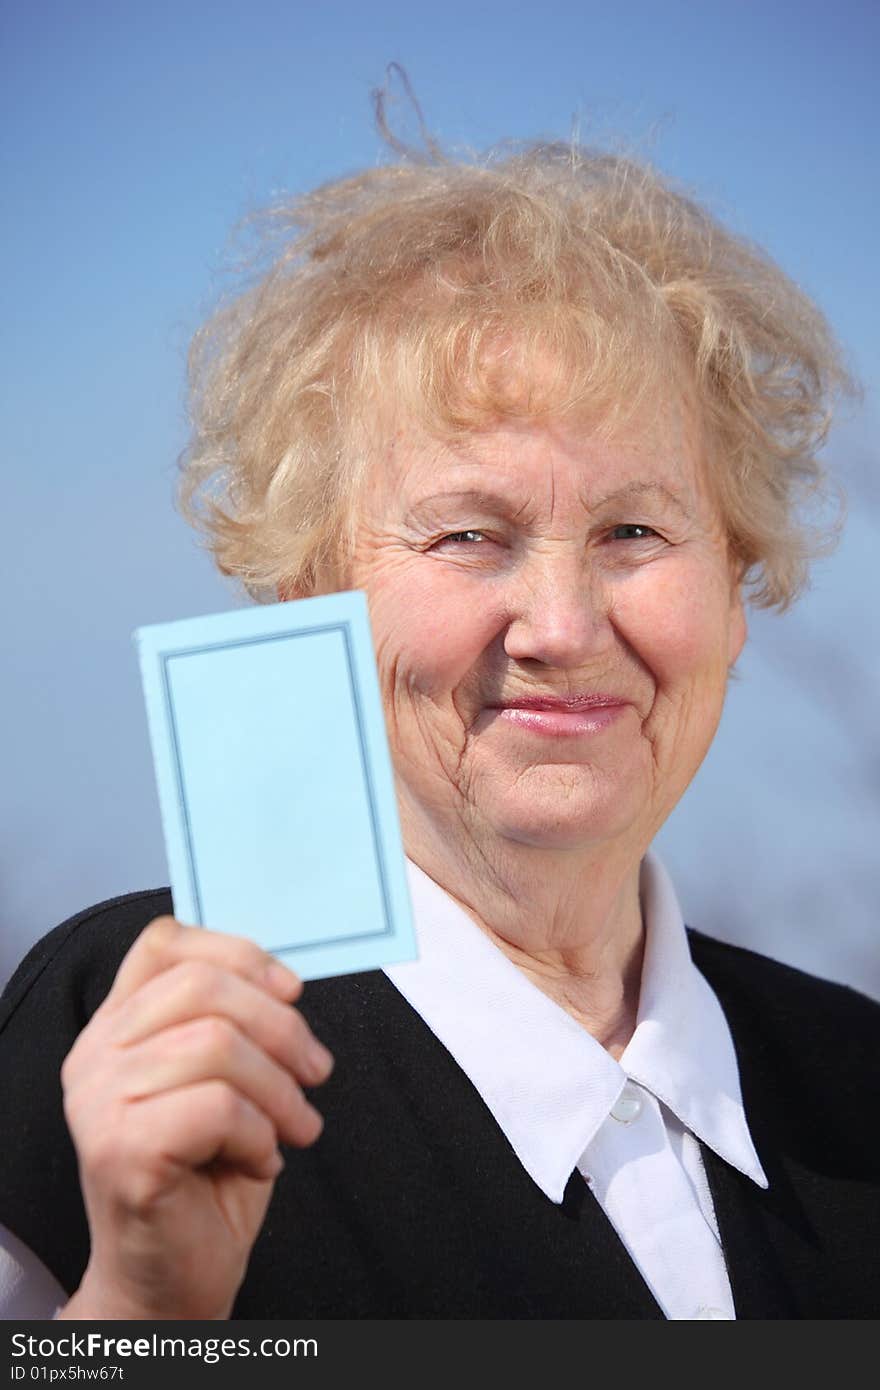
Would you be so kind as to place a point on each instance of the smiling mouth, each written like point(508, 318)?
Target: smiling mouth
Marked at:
point(563, 704)
point(555, 716)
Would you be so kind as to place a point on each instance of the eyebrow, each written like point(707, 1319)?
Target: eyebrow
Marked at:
point(635, 490)
point(480, 497)
point(497, 502)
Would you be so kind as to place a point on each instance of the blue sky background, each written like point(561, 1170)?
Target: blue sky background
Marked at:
point(134, 137)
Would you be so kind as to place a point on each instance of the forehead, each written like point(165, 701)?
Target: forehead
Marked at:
point(662, 445)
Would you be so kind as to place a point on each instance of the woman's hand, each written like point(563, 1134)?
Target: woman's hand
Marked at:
point(177, 1094)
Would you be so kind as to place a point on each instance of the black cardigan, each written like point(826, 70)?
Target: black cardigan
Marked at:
point(412, 1203)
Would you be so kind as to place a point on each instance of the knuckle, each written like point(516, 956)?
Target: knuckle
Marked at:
point(215, 1037)
point(158, 935)
point(143, 1186)
point(227, 1107)
point(246, 956)
point(161, 928)
point(100, 1151)
point(197, 980)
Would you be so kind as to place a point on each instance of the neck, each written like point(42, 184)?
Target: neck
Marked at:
point(569, 919)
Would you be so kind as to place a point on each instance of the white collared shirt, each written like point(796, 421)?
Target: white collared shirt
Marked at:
point(630, 1127)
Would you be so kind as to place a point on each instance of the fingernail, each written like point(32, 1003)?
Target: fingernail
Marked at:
point(318, 1118)
point(280, 979)
point(319, 1057)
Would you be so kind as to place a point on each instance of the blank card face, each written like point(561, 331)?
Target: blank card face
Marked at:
point(275, 782)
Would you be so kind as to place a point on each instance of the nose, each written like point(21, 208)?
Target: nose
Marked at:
point(560, 614)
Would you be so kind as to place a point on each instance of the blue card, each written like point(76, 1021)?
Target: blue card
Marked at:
point(275, 782)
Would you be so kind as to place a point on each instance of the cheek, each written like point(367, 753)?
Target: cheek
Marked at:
point(429, 630)
point(680, 630)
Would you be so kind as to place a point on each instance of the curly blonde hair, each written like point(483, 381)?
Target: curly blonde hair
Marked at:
point(444, 289)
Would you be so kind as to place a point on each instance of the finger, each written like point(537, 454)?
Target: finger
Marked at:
point(213, 1049)
point(188, 1128)
point(166, 942)
point(196, 989)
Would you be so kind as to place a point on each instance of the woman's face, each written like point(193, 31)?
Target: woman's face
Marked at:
point(554, 617)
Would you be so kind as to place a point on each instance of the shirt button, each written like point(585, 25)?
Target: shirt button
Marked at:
point(715, 1314)
point(628, 1105)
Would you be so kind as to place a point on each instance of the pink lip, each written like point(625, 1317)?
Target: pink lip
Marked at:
point(560, 716)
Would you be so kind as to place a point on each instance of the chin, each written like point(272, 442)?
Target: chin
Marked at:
point(578, 829)
point(561, 841)
point(561, 813)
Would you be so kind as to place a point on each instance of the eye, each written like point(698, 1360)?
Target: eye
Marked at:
point(632, 531)
point(462, 538)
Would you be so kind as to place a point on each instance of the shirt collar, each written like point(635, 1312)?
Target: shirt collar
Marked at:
point(546, 1081)
point(682, 1049)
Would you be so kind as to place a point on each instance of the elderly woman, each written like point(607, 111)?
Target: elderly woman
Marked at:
point(558, 424)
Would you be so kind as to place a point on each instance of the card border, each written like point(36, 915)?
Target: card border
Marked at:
point(344, 629)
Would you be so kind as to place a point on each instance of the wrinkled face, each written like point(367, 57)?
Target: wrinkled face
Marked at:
point(554, 617)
